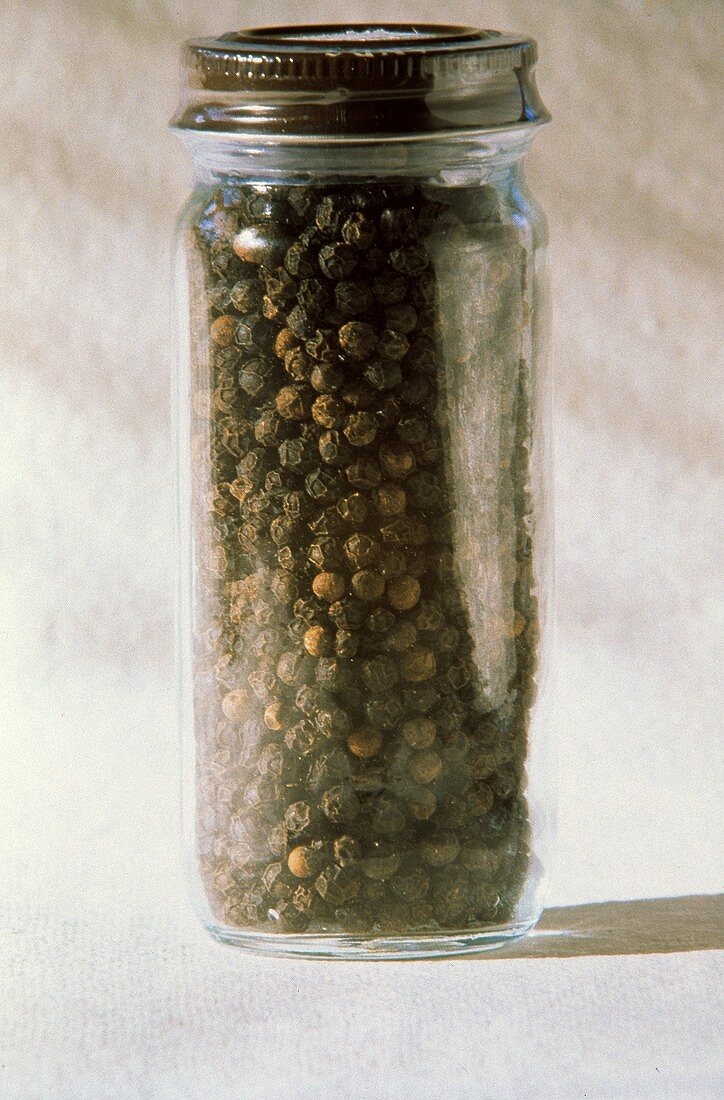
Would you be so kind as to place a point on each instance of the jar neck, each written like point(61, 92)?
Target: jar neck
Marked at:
point(452, 160)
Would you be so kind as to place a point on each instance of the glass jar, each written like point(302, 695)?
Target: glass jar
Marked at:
point(364, 494)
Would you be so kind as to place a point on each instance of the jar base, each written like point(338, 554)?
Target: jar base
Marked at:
point(347, 946)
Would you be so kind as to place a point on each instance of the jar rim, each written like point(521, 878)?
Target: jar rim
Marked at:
point(358, 79)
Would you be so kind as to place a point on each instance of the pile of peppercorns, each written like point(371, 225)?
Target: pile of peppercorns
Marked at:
point(347, 779)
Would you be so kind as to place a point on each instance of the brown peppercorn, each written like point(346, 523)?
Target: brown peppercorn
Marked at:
point(285, 341)
point(276, 716)
point(223, 330)
point(441, 850)
point(425, 767)
point(419, 732)
point(328, 586)
point(403, 592)
point(365, 742)
point(357, 339)
point(326, 378)
point(389, 499)
point(270, 309)
point(396, 459)
point(418, 664)
point(293, 402)
point(235, 703)
point(318, 642)
point(297, 365)
point(368, 585)
point(422, 804)
point(300, 861)
point(360, 428)
point(328, 412)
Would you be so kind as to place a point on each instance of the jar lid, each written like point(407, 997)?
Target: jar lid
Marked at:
point(358, 80)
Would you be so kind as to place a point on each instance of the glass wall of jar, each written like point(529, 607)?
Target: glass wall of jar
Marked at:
point(364, 496)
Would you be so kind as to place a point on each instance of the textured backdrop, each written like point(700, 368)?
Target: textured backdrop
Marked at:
point(109, 988)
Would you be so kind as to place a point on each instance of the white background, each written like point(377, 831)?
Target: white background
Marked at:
point(107, 986)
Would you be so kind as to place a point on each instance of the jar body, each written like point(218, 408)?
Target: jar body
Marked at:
point(365, 540)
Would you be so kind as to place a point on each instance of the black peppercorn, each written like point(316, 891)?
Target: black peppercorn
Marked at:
point(347, 614)
point(364, 472)
point(326, 378)
point(392, 345)
point(337, 261)
point(353, 509)
point(354, 299)
point(397, 225)
point(359, 231)
point(383, 374)
point(340, 804)
point(390, 288)
point(361, 550)
point(333, 448)
point(401, 318)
